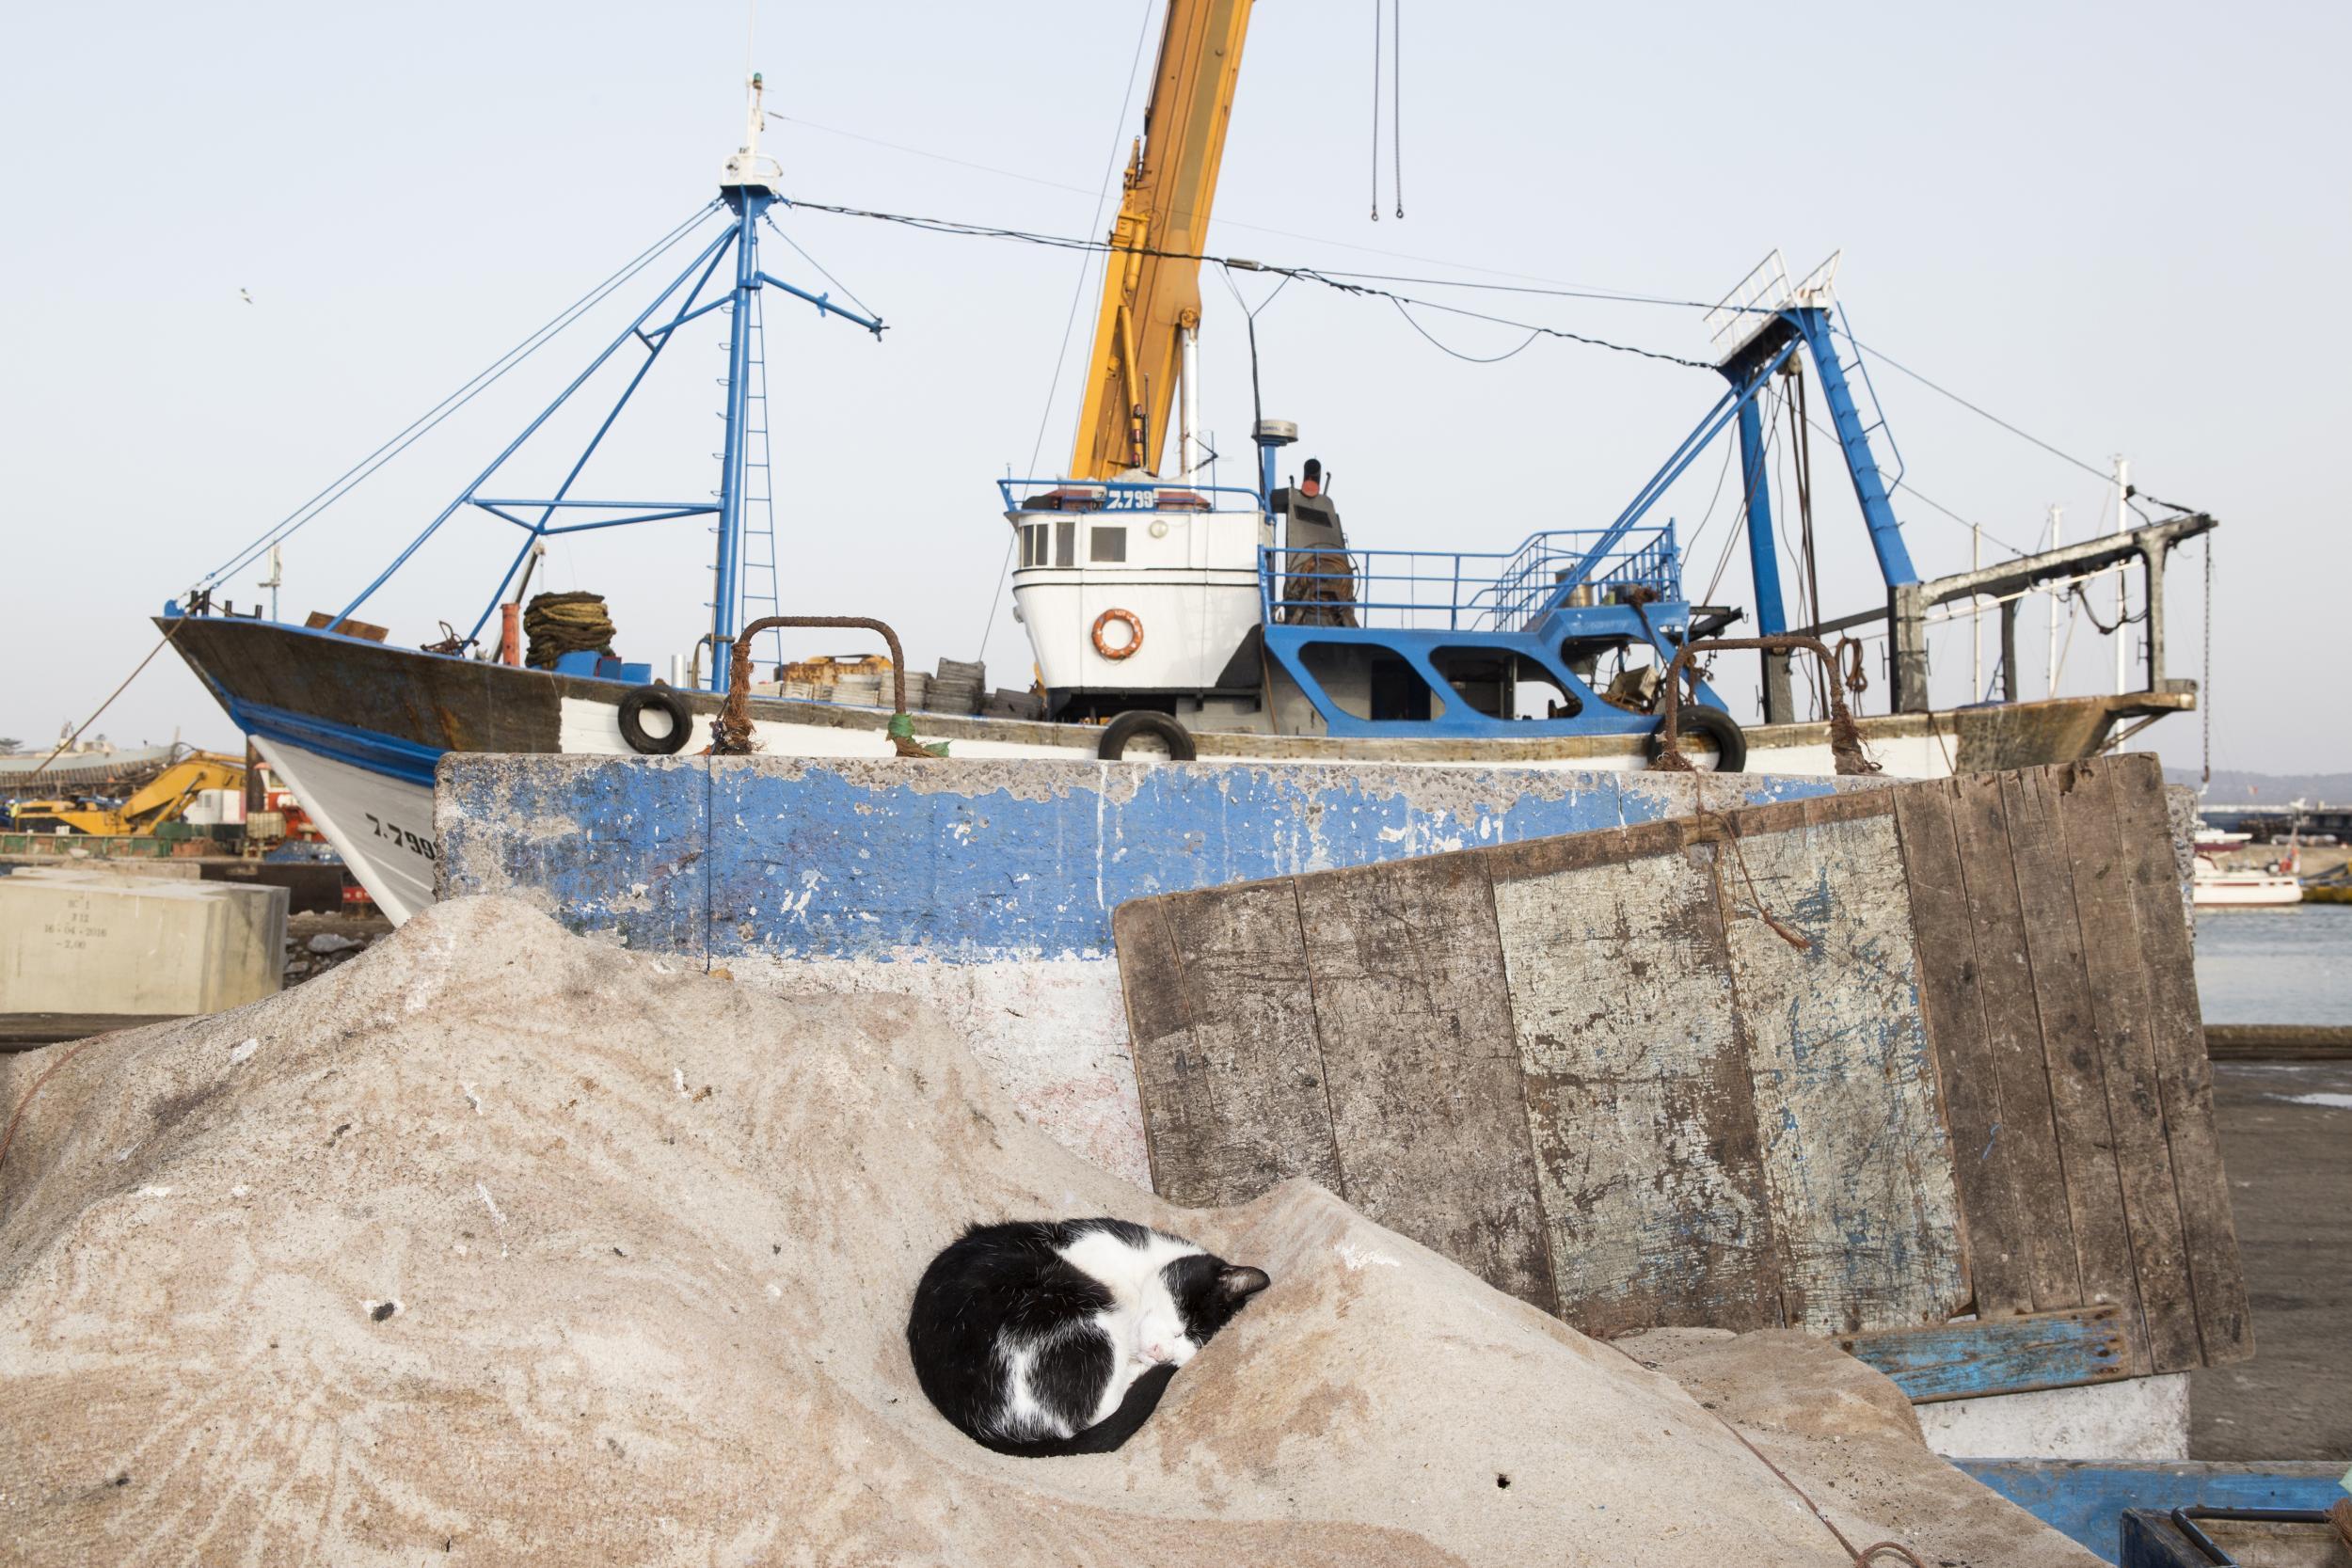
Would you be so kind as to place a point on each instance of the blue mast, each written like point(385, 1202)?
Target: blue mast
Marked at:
point(747, 188)
point(749, 192)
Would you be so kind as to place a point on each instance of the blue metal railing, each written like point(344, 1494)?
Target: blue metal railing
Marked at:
point(1463, 590)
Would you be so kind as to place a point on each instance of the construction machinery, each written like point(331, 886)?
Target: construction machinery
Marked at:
point(1146, 331)
point(166, 797)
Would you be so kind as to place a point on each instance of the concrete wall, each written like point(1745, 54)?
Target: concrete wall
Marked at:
point(102, 942)
point(984, 888)
point(2137, 1419)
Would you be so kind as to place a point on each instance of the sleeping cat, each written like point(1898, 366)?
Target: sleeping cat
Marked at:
point(1044, 1338)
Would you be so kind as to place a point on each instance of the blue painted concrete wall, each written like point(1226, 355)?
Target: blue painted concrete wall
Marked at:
point(972, 860)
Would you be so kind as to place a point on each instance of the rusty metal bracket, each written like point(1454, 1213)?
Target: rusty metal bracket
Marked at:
point(731, 732)
point(1845, 740)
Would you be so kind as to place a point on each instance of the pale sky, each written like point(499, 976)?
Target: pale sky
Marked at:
point(2123, 228)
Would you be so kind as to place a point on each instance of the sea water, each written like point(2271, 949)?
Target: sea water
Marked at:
point(2290, 965)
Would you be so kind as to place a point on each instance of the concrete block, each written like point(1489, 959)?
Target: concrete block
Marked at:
point(124, 867)
point(2140, 1420)
point(95, 941)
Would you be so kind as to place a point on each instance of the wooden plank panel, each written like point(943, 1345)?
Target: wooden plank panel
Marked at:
point(2003, 1355)
point(2184, 1073)
point(1857, 1169)
point(2120, 1015)
point(1221, 1013)
point(2042, 1221)
point(1952, 1007)
point(1422, 1064)
point(1639, 1105)
point(2078, 1101)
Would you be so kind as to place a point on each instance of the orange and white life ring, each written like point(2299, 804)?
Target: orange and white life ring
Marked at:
point(1135, 634)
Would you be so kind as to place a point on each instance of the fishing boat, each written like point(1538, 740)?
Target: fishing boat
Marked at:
point(1172, 616)
point(2219, 887)
point(2213, 885)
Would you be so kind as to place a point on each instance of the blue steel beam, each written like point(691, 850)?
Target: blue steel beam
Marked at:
point(823, 303)
point(1869, 485)
point(748, 201)
point(1772, 619)
point(653, 352)
point(614, 347)
point(624, 522)
point(1707, 430)
point(494, 511)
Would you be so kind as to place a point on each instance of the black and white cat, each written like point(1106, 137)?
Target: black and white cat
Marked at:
point(1044, 1338)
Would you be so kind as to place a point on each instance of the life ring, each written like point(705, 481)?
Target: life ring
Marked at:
point(1135, 634)
point(662, 700)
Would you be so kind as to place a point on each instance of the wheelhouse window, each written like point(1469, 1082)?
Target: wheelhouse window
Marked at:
point(1107, 545)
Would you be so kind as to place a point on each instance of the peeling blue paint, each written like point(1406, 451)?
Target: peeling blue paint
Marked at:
point(966, 862)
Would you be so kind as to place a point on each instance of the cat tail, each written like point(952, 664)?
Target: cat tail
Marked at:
point(1105, 1435)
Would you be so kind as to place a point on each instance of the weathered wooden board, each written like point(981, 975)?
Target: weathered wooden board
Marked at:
point(2003, 1355)
point(2184, 1070)
point(1855, 1064)
point(1952, 1006)
point(2119, 1006)
point(2079, 1094)
point(1638, 1099)
point(2037, 1218)
point(1230, 1101)
point(1857, 1171)
point(1420, 1065)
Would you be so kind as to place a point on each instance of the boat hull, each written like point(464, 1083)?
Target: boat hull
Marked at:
point(356, 727)
point(2245, 890)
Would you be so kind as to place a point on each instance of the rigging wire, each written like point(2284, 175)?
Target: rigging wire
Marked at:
point(1551, 286)
point(1339, 283)
point(1747, 484)
point(1249, 321)
point(1077, 297)
point(1526, 283)
point(770, 219)
point(1473, 358)
point(1707, 519)
point(295, 521)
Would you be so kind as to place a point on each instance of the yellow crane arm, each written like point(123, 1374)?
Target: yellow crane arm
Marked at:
point(1149, 300)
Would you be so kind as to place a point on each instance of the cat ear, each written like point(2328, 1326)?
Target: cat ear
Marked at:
point(1239, 1283)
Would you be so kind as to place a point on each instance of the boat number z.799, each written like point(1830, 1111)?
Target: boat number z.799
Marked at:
point(416, 844)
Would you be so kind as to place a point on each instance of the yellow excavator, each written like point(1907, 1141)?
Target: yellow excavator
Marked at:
point(164, 799)
point(1145, 332)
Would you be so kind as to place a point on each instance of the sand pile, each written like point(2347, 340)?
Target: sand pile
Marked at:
point(496, 1245)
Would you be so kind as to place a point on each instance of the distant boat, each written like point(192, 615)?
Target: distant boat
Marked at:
point(2214, 886)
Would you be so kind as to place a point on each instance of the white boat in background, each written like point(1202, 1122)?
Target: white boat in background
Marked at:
point(2215, 886)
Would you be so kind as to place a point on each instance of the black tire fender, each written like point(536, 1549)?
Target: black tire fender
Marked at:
point(662, 697)
point(1144, 722)
point(1698, 722)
